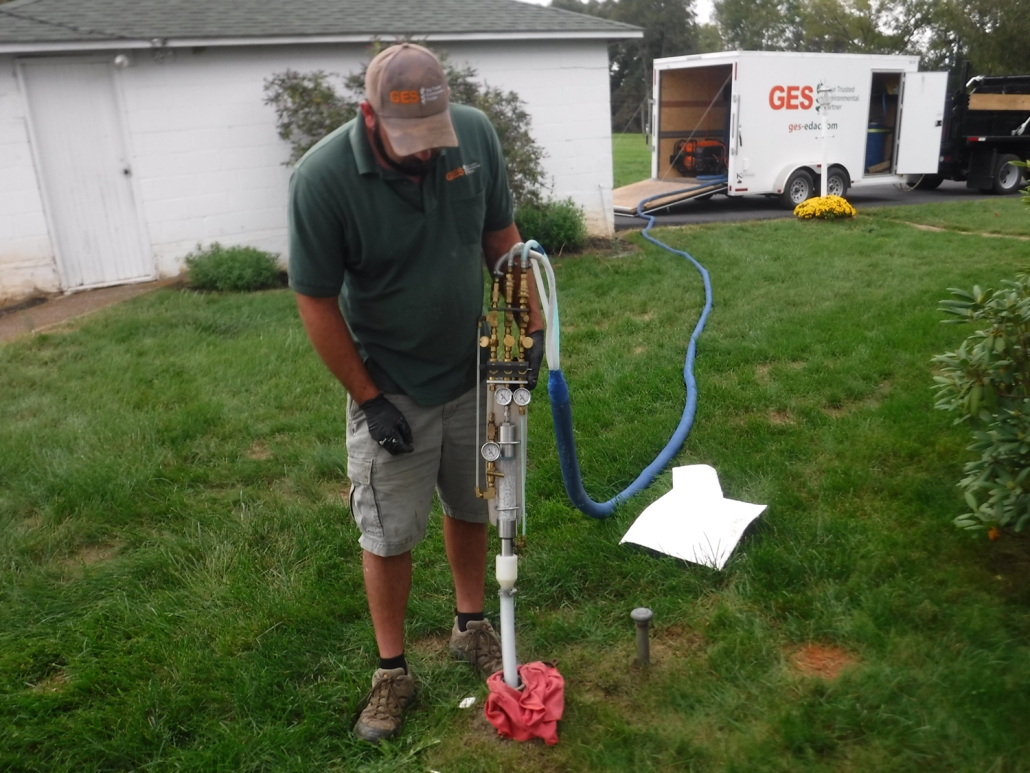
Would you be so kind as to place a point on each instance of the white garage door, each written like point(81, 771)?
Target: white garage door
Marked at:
point(85, 173)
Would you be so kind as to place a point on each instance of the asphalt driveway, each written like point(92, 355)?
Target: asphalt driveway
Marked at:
point(721, 209)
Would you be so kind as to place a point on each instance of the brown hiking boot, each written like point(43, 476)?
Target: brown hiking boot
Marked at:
point(478, 645)
point(392, 691)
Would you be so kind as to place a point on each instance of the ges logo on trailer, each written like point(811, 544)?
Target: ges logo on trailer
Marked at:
point(791, 97)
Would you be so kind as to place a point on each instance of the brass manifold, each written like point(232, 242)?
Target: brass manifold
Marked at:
point(506, 335)
point(498, 336)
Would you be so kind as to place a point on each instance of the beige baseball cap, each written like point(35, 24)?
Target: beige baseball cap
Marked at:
point(407, 88)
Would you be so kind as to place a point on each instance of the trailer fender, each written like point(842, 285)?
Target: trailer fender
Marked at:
point(781, 179)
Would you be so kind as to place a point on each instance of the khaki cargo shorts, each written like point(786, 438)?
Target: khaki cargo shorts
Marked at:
point(391, 496)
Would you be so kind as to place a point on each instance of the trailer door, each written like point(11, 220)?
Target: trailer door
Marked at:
point(922, 121)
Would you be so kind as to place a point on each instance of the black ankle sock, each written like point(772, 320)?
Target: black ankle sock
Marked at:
point(464, 618)
point(397, 662)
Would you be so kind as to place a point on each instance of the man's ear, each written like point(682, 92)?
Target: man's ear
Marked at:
point(368, 113)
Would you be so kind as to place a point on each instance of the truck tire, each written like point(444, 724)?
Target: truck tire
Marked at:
point(798, 188)
point(925, 182)
point(1007, 178)
point(837, 183)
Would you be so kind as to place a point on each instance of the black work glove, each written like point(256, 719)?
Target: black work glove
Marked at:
point(535, 356)
point(387, 425)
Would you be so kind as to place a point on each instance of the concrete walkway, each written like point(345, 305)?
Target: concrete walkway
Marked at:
point(62, 308)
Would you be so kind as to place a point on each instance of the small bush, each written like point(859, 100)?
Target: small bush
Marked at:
point(232, 269)
point(1026, 179)
point(824, 208)
point(987, 380)
point(557, 225)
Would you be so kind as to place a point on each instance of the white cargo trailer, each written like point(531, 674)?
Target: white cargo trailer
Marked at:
point(746, 122)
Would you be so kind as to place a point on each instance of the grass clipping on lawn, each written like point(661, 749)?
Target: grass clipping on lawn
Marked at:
point(181, 580)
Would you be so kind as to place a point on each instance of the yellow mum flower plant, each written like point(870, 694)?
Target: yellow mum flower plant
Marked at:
point(824, 207)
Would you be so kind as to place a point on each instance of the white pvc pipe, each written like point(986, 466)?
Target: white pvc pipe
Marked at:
point(511, 672)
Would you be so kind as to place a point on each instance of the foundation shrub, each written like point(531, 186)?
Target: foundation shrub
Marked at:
point(558, 225)
point(986, 381)
point(232, 269)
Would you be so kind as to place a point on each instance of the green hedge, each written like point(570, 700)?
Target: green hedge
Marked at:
point(557, 225)
point(232, 269)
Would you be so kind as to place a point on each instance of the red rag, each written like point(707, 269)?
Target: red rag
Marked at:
point(533, 711)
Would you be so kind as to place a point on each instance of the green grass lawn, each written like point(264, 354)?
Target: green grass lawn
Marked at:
point(1000, 215)
point(631, 159)
point(180, 582)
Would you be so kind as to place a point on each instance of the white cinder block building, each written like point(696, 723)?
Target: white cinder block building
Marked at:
point(132, 130)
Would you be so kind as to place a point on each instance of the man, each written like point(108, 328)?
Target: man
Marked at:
point(390, 218)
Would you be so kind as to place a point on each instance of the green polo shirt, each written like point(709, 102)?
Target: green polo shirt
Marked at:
point(405, 259)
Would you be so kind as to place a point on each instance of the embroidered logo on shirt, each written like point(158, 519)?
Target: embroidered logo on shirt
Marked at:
point(462, 171)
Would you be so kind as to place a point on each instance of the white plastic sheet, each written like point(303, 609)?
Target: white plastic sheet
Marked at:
point(694, 522)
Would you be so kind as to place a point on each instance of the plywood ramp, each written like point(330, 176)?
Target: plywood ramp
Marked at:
point(625, 199)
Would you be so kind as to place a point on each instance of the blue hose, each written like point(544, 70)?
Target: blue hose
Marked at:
point(561, 410)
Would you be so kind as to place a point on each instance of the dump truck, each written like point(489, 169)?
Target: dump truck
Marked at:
point(986, 128)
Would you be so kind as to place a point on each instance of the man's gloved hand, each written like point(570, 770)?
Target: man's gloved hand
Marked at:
point(387, 425)
point(535, 356)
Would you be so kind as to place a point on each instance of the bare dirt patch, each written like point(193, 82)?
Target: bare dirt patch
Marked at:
point(32, 523)
point(673, 643)
point(88, 555)
point(51, 683)
point(431, 649)
point(780, 418)
point(639, 349)
point(938, 229)
point(824, 661)
point(762, 371)
point(870, 401)
point(259, 452)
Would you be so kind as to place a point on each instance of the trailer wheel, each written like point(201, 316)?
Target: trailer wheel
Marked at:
point(837, 182)
point(798, 188)
point(1007, 178)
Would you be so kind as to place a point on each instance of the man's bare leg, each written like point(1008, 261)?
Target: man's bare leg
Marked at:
point(387, 585)
point(466, 552)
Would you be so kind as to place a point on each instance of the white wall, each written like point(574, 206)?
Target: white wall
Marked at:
point(208, 162)
point(565, 86)
point(26, 255)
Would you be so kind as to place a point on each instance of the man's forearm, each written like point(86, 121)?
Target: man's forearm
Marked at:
point(331, 338)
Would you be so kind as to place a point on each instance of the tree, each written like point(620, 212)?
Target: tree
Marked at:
point(308, 108)
point(759, 25)
point(855, 26)
point(670, 29)
point(991, 35)
point(709, 39)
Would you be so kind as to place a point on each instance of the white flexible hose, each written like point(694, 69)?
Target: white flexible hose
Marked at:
point(549, 301)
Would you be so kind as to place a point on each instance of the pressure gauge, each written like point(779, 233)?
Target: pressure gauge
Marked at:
point(491, 452)
point(522, 396)
point(503, 396)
